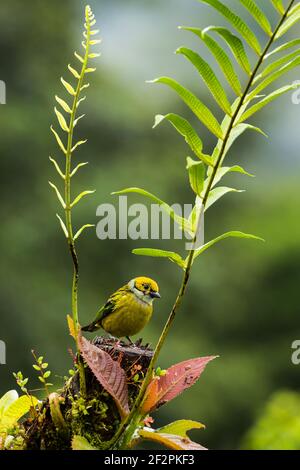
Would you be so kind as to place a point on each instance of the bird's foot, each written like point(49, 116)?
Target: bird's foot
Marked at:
point(131, 343)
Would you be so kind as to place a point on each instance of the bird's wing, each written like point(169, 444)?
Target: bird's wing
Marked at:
point(108, 308)
point(111, 304)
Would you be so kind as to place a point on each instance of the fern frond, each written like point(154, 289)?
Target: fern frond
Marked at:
point(287, 25)
point(249, 100)
point(283, 47)
point(221, 57)
point(236, 46)
point(209, 78)
point(273, 77)
point(277, 4)
point(268, 99)
point(277, 64)
point(237, 22)
point(188, 132)
point(68, 123)
point(258, 15)
point(196, 106)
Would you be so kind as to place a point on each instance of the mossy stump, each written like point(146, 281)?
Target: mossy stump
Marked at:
point(96, 417)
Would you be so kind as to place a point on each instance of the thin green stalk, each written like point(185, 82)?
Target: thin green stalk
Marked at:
point(68, 208)
point(133, 418)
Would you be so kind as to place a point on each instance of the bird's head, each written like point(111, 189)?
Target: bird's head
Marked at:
point(145, 289)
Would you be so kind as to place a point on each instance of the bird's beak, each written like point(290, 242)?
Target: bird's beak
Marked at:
point(155, 295)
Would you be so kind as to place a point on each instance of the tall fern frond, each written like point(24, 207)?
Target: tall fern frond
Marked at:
point(269, 66)
point(67, 118)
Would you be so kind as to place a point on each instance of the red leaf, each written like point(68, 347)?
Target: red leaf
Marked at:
point(108, 372)
point(178, 378)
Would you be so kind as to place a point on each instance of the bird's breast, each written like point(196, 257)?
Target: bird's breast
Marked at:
point(129, 317)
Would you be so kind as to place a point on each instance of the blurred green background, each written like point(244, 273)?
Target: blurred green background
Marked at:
point(243, 298)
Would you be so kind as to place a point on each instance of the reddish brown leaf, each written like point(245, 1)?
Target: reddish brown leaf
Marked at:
point(178, 378)
point(171, 441)
point(150, 399)
point(108, 372)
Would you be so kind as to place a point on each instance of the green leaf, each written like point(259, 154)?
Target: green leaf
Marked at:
point(92, 42)
point(63, 226)
point(188, 132)
point(79, 101)
point(63, 104)
point(272, 77)
point(283, 47)
point(81, 59)
point(294, 9)
point(218, 193)
point(68, 87)
point(235, 44)
point(59, 196)
point(56, 165)
point(198, 108)
point(208, 77)
point(237, 22)
point(268, 99)
point(58, 139)
point(16, 410)
point(77, 119)
point(171, 441)
point(196, 175)
point(287, 25)
point(277, 63)
point(94, 55)
point(80, 196)
point(90, 70)
point(182, 222)
point(221, 57)
point(77, 168)
point(223, 171)
point(171, 255)
point(79, 232)
point(233, 234)
point(81, 142)
point(86, 85)
point(236, 132)
point(181, 427)
point(74, 72)
point(6, 400)
point(278, 6)
point(81, 443)
point(258, 15)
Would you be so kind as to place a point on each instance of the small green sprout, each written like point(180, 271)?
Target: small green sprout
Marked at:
point(160, 372)
point(21, 381)
point(44, 374)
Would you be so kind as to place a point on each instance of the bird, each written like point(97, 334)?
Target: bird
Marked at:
point(128, 310)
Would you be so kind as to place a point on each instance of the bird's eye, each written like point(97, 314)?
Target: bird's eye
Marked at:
point(146, 286)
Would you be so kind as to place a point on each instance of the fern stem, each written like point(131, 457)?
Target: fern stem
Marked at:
point(68, 209)
point(133, 417)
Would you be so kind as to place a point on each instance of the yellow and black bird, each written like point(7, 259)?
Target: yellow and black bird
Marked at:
point(128, 310)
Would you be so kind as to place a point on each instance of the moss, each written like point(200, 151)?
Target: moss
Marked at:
point(95, 417)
